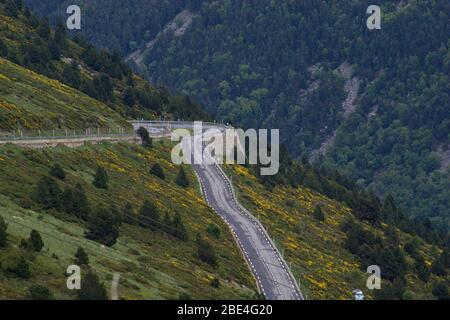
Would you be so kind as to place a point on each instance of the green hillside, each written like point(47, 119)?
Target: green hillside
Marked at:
point(32, 101)
point(152, 263)
point(321, 249)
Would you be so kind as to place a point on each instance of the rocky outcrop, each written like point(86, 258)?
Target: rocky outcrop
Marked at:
point(351, 88)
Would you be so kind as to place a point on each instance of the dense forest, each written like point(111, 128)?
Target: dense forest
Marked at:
point(121, 25)
point(276, 64)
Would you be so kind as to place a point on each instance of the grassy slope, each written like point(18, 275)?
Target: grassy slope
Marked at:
point(315, 250)
point(152, 265)
point(29, 100)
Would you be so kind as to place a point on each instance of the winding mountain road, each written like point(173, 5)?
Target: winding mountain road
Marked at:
point(271, 273)
point(273, 277)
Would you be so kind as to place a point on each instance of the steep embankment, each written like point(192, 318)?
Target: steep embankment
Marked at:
point(152, 264)
point(29, 100)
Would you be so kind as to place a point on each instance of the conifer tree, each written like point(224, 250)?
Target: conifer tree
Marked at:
point(318, 214)
point(182, 179)
point(35, 242)
point(3, 233)
point(158, 171)
point(81, 257)
point(149, 216)
point(101, 178)
point(92, 288)
point(103, 226)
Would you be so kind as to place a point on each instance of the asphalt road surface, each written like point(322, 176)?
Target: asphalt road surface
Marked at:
point(266, 263)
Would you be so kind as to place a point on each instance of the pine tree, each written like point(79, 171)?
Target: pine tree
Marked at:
point(35, 242)
point(182, 179)
point(422, 270)
point(11, 8)
point(103, 227)
point(3, 49)
point(129, 214)
point(48, 193)
point(205, 252)
point(3, 233)
point(80, 204)
point(71, 75)
point(167, 223)
point(60, 34)
point(178, 229)
point(441, 265)
point(440, 291)
point(391, 291)
point(38, 292)
point(101, 178)
point(318, 214)
point(149, 216)
point(19, 4)
point(145, 137)
point(21, 269)
point(92, 288)
point(81, 257)
point(213, 230)
point(67, 200)
point(215, 283)
point(158, 171)
point(44, 29)
point(128, 97)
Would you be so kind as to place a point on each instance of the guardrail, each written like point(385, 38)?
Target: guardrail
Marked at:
point(173, 124)
point(17, 135)
point(156, 129)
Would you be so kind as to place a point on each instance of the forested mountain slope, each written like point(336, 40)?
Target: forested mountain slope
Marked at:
point(276, 64)
point(330, 233)
point(30, 43)
point(62, 206)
